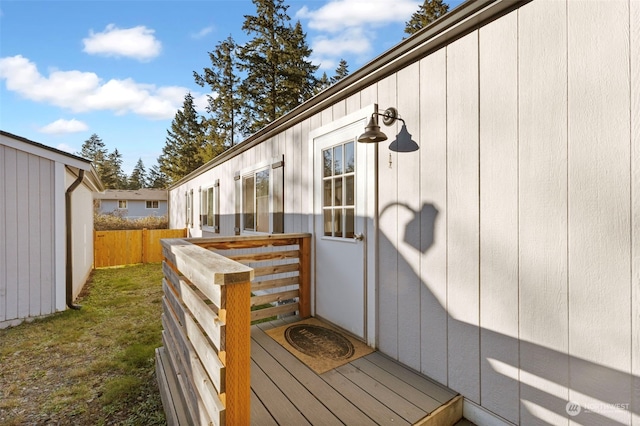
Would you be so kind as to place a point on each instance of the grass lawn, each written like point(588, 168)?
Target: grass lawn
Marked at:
point(93, 366)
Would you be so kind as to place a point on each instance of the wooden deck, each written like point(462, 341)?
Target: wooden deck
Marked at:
point(368, 391)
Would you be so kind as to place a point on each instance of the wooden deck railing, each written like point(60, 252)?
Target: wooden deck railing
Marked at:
point(204, 365)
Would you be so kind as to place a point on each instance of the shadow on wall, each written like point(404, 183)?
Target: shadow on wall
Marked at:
point(540, 378)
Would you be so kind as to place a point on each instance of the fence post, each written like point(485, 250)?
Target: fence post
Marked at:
point(237, 354)
point(305, 277)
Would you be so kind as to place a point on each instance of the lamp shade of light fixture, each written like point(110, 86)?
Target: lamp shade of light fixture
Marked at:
point(372, 133)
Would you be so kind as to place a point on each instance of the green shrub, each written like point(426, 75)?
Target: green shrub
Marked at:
point(112, 222)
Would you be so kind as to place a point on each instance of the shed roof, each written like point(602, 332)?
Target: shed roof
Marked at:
point(53, 154)
point(146, 194)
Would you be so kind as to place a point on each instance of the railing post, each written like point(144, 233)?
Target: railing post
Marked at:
point(237, 354)
point(305, 277)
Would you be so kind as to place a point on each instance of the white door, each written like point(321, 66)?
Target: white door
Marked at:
point(340, 173)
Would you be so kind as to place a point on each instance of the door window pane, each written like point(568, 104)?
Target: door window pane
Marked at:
point(248, 207)
point(349, 158)
point(262, 201)
point(338, 190)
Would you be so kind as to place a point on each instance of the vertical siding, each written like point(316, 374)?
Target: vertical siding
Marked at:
point(599, 197)
point(388, 221)
point(433, 195)
point(26, 243)
point(408, 223)
point(634, 49)
point(499, 215)
point(463, 216)
point(544, 373)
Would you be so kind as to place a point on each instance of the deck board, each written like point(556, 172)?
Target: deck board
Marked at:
point(371, 390)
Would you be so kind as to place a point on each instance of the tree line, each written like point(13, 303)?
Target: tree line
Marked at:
point(251, 85)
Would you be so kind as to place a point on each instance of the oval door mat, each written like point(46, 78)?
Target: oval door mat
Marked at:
point(319, 342)
point(319, 345)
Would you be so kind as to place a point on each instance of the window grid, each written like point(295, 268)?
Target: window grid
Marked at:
point(339, 191)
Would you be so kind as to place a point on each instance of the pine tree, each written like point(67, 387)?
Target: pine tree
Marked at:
point(112, 176)
point(278, 74)
point(341, 72)
point(322, 83)
point(94, 149)
point(182, 152)
point(138, 177)
point(428, 12)
point(157, 179)
point(224, 103)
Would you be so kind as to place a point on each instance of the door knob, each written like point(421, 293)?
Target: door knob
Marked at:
point(358, 237)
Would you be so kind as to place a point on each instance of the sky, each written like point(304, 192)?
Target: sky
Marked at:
point(121, 69)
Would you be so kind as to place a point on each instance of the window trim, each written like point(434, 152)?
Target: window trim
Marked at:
point(214, 191)
point(152, 201)
point(125, 204)
point(266, 165)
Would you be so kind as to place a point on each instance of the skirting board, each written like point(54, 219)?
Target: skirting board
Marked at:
point(481, 416)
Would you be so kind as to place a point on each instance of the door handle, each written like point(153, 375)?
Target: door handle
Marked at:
point(358, 237)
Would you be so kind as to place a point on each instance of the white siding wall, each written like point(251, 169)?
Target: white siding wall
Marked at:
point(82, 233)
point(508, 248)
point(27, 255)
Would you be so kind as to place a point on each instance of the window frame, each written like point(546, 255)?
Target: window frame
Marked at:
point(157, 204)
point(267, 165)
point(120, 202)
point(210, 206)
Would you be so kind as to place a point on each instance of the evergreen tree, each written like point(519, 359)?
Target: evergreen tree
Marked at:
point(224, 103)
point(138, 177)
point(93, 149)
point(112, 176)
point(157, 179)
point(428, 12)
point(341, 72)
point(322, 83)
point(184, 144)
point(278, 75)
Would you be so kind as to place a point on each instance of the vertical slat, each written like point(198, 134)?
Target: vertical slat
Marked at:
point(11, 236)
point(433, 193)
point(237, 357)
point(305, 277)
point(47, 254)
point(24, 268)
point(463, 216)
point(388, 231)
point(599, 203)
point(543, 225)
point(3, 236)
point(408, 225)
point(635, 209)
point(33, 234)
point(499, 214)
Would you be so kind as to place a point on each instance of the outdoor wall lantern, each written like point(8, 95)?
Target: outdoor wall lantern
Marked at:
point(372, 133)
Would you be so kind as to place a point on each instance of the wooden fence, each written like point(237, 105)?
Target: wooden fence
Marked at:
point(204, 366)
point(115, 248)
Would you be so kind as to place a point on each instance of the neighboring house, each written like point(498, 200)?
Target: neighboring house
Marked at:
point(132, 203)
point(46, 228)
point(494, 243)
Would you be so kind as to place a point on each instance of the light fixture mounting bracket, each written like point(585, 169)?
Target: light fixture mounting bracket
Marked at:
point(389, 116)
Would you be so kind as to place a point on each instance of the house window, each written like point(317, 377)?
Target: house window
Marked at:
point(122, 204)
point(152, 204)
point(255, 202)
point(338, 195)
point(259, 198)
point(209, 207)
point(189, 208)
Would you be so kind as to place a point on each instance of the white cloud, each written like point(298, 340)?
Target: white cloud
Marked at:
point(80, 91)
point(351, 42)
point(137, 43)
point(336, 15)
point(203, 32)
point(64, 126)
